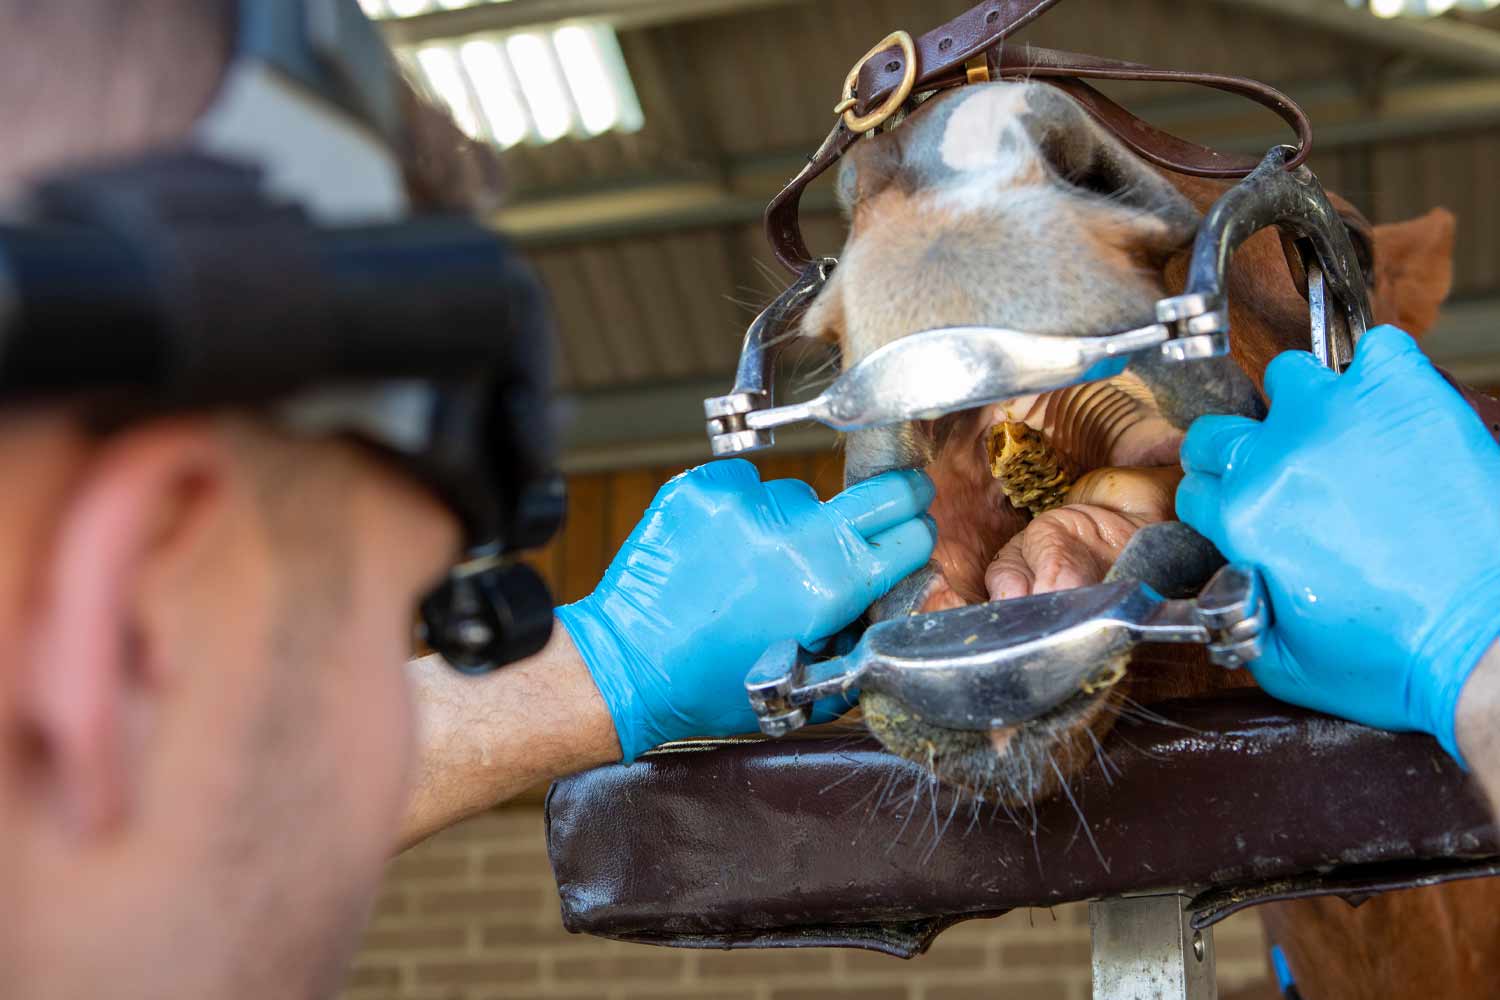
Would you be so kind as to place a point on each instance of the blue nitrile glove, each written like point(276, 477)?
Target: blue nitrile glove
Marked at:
point(721, 566)
point(1369, 501)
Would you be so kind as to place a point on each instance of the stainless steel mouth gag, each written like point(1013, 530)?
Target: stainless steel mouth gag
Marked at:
point(1006, 662)
point(998, 664)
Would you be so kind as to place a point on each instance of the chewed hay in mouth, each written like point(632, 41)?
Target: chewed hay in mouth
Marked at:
point(1031, 472)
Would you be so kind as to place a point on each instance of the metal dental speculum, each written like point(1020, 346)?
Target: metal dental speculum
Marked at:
point(998, 664)
point(1003, 663)
point(942, 371)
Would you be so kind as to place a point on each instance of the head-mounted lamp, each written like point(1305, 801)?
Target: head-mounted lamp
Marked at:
point(273, 261)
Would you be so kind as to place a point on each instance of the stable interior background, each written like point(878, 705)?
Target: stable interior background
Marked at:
point(648, 234)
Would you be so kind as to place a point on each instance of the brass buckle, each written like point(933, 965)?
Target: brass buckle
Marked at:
point(864, 123)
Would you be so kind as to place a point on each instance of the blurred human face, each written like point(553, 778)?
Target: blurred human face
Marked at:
point(245, 671)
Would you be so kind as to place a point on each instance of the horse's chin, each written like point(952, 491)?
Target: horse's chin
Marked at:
point(1034, 495)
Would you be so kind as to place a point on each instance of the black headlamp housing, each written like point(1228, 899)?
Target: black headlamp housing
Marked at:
point(182, 282)
point(172, 283)
point(179, 282)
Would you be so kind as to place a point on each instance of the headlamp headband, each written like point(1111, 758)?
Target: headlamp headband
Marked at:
point(275, 263)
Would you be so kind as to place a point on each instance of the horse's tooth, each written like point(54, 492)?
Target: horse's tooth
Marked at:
point(1031, 472)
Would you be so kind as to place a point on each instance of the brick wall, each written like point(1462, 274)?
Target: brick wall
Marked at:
point(473, 915)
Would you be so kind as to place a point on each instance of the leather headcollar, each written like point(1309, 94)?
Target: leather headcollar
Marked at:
point(971, 49)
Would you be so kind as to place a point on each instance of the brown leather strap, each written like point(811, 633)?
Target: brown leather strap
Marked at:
point(1067, 70)
point(942, 52)
point(783, 218)
point(941, 55)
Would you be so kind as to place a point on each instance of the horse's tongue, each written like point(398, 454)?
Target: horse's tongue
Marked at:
point(869, 453)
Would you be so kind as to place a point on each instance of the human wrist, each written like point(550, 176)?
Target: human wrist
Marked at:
point(483, 739)
point(1453, 654)
point(605, 656)
point(1477, 717)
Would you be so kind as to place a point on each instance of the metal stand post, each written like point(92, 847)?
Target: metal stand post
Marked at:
point(1145, 949)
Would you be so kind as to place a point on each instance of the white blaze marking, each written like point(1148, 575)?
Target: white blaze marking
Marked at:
point(971, 140)
point(997, 173)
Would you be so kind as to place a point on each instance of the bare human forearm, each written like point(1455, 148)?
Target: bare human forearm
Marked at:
point(1478, 723)
point(482, 740)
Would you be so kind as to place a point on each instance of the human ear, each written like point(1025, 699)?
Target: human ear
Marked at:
point(89, 670)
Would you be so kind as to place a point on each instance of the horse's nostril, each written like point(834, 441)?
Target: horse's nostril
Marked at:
point(1080, 165)
point(1092, 168)
point(1098, 178)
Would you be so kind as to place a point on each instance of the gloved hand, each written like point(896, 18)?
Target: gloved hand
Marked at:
point(1369, 501)
point(721, 566)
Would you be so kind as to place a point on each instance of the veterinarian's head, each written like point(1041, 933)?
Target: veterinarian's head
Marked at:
point(204, 725)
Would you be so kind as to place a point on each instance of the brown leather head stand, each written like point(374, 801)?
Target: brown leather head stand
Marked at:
point(971, 49)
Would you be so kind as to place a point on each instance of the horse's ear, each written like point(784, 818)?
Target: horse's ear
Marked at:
point(1413, 270)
